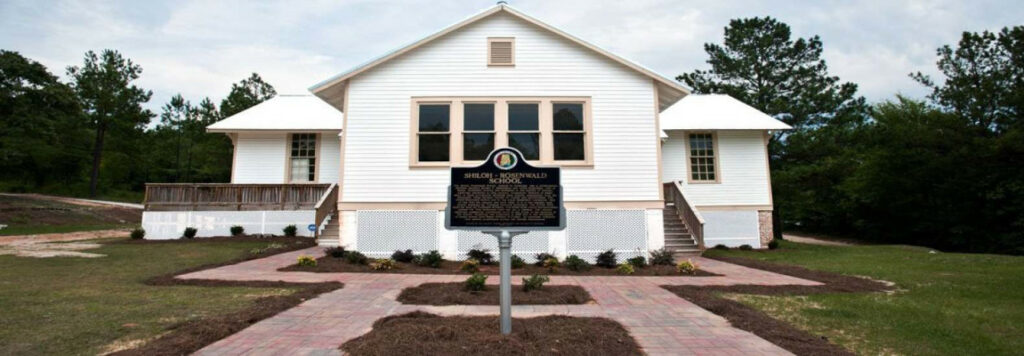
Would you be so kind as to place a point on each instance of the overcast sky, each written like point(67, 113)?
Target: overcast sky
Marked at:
point(200, 47)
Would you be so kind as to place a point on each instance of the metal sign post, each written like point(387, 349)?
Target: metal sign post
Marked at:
point(505, 197)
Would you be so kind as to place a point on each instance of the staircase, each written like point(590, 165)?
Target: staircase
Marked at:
point(677, 236)
point(331, 234)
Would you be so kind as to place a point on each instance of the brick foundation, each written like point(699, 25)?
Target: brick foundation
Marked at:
point(765, 228)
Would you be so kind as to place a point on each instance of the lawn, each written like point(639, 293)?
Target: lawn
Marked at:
point(81, 306)
point(947, 303)
point(25, 216)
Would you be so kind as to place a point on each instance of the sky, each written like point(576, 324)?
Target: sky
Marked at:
point(200, 47)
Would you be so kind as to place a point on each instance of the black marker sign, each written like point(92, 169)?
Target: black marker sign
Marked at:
point(505, 193)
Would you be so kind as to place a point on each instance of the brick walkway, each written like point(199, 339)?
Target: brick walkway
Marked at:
point(661, 322)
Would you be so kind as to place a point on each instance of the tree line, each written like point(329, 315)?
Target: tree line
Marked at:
point(92, 136)
point(945, 172)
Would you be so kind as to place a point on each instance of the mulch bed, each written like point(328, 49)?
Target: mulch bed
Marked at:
point(420, 333)
point(293, 242)
point(329, 264)
point(775, 331)
point(190, 336)
point(456, 294)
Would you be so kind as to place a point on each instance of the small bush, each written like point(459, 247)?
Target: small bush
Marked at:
point(476, 282)
point(471, 265)
point(356, 258)
point(517, 262)
point(607, 259)
point(686, 267)
point(430, 259)
point(575, 263)
point(403, 256)
point(290, 230)
point(662, 257)
point(773, 244)
point(237, 230)
point(534, 282)
point(541, 257)
point(336, 252)
point(383, 264)
point(638, 261)
point(482, 256)
point(625, 268)
point(721, 247)
point(138, 234)
point(551, 263)
point(307, 261)
point(745, 247)
point(190, 233)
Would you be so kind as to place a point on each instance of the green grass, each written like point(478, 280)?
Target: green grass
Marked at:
point(947, 303)
point(79, 306)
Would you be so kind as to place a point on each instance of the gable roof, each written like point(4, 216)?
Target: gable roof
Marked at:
point(332, 89)
point(283, 112)
point(716, 112)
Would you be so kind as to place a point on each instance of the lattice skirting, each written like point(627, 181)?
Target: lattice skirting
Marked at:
point(381, 232)
point(164, 225)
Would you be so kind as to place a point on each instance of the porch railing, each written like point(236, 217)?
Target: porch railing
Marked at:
point(222, 196)
point(326, 206)
point(694, 222)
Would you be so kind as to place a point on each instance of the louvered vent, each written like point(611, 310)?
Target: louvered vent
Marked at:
point(501, 52)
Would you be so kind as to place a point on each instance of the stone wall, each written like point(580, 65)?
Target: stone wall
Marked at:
point(765, 229)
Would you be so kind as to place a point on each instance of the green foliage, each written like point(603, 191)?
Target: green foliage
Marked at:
point(745, 247)
point(638, 261)
point(246, 94)
point(543, 256)
point(189, 233)
point(534, 282)
point(624, 268)
point(335, 252)
point(403, 256)
point(290, 230)
point(430, 259)
point(686, 267)
point(356, 258)
point(470, 265)
point(517, 262)
point(773, 244)
point(662, 257)
point(607, 259)
point(477, 282)
point(307, 261)
point(551, 264)
point(721, 247)
point(576, 264)
point(237, 230)
point(383, 264)
point(484, 257)
point(138, 233)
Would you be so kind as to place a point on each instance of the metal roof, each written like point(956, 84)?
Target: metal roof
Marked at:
point(284, 112)
point(716, 112)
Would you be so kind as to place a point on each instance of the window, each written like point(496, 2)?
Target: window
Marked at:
point(524, 129)
point(568, 131)
point(303, 158)
point(702, 158)
point(432, 138)
point(478, 131)
point(501, 51)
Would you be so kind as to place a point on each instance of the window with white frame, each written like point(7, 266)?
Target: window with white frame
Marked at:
point(702, 157)
point(303, 157)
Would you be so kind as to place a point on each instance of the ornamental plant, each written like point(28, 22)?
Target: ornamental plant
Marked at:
point(686, 267)
point(471, 265)
point(534, 282)
point(290, 230)
point(383, 264)
point(237, 230)
point(138, 233)
point(482, 256)
point(637, 262)
point(746, 247)
point(662, 257)
point(576, 264)
point(517, 262)
point(190, 233)
point(773, 244)
point(403, 256)
point(551, 263)
point(430, 259)
point(541, 257)
point(336, 252)
point(307, 261)
point(625, 268)
point(477, 282)
point(356, 258)
point(607, 259)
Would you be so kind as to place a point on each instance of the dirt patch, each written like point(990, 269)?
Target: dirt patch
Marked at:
point(44, 250)
point(775, 331)
point(19, 210)
point(456, 294)
point(329, 264)
point(420, 333)
point(286, 240)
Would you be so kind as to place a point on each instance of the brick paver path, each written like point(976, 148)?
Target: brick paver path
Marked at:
point(661, 322)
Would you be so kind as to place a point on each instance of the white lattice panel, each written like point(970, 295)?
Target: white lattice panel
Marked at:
point(590, 232)
point(381, 232)
point(162, 225)
point(525, 245)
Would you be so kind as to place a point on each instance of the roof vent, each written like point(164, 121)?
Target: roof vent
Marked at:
point(501, 51)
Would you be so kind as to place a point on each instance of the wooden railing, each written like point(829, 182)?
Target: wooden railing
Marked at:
point(327, 205)
point(220, 196)
point(694, 222)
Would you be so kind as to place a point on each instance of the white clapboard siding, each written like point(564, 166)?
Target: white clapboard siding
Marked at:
point(377, 150)
point(260, 158)
point(744, 174)
point(330, 157)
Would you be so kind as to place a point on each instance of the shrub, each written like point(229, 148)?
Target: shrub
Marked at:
point(471, 265)
point(541, 257)
point(430, 259)
point(138, 233)
point(625, 268)
point(290, 230)
point(383, 264)
point(575, 263)
point(476, 282)
point(517, 262)
point(686, 267)
point(721, 247)
point(745, 247)
point(638, 261)
point(356, 258)
point(482, 256)
point(662, 257)
point(190, 233)
point(534, 282)
point(237, 230)
point(403, 256)
point(551, 263)
point(773, 244)
point(336, 252)
point(307, 261)
point(607, 259)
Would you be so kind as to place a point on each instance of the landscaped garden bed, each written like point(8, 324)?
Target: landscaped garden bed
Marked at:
point(421, 333)
point(457, 294)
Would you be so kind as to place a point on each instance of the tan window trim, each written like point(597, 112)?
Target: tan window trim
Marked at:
point(715, 155)
point(288, 157)
point(501, 128)
point(511, 41)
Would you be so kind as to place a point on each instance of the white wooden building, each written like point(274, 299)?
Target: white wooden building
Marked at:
point(364, 161)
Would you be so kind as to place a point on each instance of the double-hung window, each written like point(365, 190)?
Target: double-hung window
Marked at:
point(303, 157)
point(703, 165)
point(477, 131)
point(524, 129)
point(434, 126)
point(568, 131)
